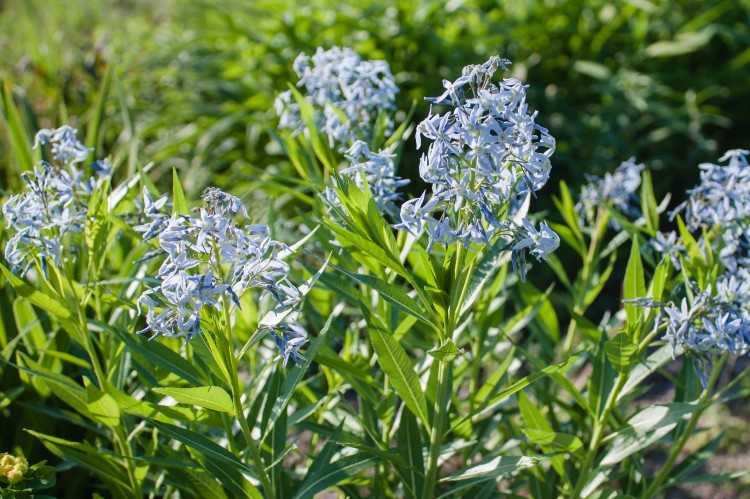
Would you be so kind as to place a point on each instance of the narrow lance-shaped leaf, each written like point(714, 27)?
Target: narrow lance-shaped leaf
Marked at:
point(179, 203)
point(399, 368)
point(410, 449)
point(620, 351)
point(18, 138)
point(492, 469)
point(90, 458)
point(94, 129)
point(334, 473)
point(393, 295)
point(646, 428)
point(648, 203)
point(635, 282)
point(207, 397)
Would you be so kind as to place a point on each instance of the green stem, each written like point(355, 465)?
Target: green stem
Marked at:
point(240, 413)
point(119, 437)
point(570, 333)
point(442, 403)
point(600, 226)
point(675, 450)
point(598, 434)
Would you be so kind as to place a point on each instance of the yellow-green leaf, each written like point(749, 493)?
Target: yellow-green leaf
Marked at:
point(207, 397)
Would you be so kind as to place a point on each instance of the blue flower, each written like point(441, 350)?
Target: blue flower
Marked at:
point(211, 258)
point(618, 188)
point(486, 155)
point(347, 92)
point(668, 245)
point(65, 146)
point(377, 169)
point(46, 218)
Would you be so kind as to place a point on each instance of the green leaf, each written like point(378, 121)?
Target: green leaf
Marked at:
point(26, 320)
point(319, 146)
point(546, 315)
point(102, 406)
point(19, 139)
point(642, 370)
point(399, 368)
point(691, 245)
point(569, 237)
point(540, 432)
point(90, 458)
point(446, 352)
point(207, 397)
point(598, 281)
point(46, 302)
point(96, 230)
point(659, 280)
point(592, 69)
point(333, 474)
point(492, 383)
point(514, 388)
point(410, 449)
point(646, 428)
point(684, 43)
point(566, 207)
point(179, 203)
point(648, 203)
point(393, 295)
point(156, 353)
point(555, 441)
point(635, 283)
point(403, 130)
point(60, 385)
point(601, 382)
point(297, 372)
point(217, 459)
point(621, 351)
point(197, 482)
point(492, 469)
point(532, 416)
point(94, 128)
point(491, 260)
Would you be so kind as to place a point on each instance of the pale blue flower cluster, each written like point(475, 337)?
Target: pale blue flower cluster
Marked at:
point(53, 208)
point(348, 94)
point(487, 154)
point(722, 199)
point(210, 260)
point(618, 189)
point(717, 320)
point(377, 169)
point(723, 195)
point(64, 144)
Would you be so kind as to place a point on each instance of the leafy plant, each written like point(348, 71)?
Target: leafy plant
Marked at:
point(396, 346)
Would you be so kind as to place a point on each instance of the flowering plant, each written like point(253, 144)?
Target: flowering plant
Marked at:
point(404, 346)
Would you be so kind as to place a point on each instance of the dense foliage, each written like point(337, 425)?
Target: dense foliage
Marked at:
point(282, 249)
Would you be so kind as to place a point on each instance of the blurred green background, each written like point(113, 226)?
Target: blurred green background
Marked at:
point(194, 80)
